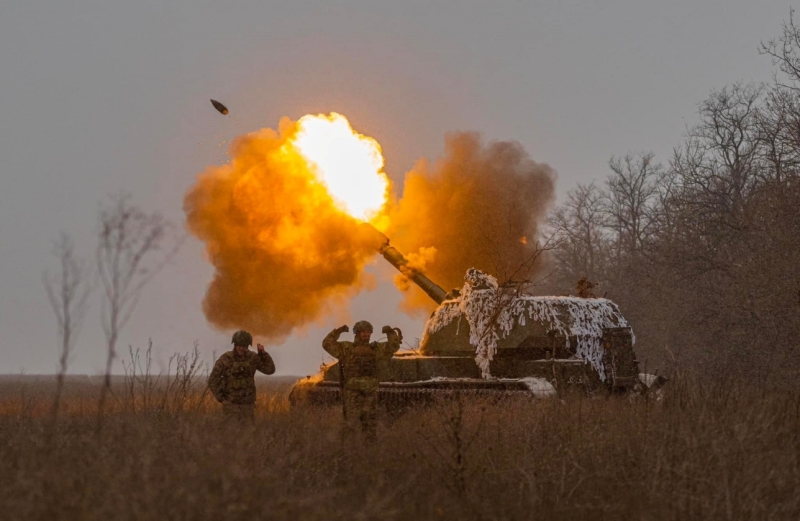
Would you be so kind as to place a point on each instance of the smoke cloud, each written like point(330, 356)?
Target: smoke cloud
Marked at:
point(479, 206)
point(284, 254)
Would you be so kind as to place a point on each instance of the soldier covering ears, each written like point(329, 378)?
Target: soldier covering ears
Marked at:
point(359, 361)
point(232, 381)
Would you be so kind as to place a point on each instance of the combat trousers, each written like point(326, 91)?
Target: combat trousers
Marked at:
point(244, 412)
point(362, 409)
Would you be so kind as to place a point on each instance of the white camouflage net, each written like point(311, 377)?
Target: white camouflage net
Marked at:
point(491, 313)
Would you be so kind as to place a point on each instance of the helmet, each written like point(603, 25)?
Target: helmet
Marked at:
point(242, 338)
point(362, 325)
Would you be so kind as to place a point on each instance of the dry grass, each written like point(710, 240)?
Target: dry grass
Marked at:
point(707, 451)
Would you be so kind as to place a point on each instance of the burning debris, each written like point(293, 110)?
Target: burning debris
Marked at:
point(220, 107)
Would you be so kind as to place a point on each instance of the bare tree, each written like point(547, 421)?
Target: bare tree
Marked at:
point(714, 234)
point(721, 159)
point(581, 237)
point(67, 290)
point(630, 198)
point(133, 246)
point(780, 121)
point(779, 134)
point(785, 53)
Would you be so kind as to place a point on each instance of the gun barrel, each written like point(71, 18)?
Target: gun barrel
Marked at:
point(396, 259)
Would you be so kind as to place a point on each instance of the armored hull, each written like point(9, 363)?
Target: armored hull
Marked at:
point(414, 379)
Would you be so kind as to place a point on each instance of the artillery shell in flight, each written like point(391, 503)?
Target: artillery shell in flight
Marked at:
point(219, 106)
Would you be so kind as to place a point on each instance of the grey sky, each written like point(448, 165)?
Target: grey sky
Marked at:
point(98, 97)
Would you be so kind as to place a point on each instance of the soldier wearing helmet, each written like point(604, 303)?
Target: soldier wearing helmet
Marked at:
point(232, 381)
point(358, 364)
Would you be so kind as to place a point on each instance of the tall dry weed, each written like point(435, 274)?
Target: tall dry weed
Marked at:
point(708, 450)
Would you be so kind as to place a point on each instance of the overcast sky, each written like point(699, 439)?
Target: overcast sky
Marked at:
point(99, 97)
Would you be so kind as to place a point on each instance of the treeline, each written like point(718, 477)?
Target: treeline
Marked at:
point(702, 252)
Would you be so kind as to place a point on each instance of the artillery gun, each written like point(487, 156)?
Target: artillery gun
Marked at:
point(484, 339)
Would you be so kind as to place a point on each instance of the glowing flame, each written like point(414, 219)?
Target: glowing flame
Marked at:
point(349, 164)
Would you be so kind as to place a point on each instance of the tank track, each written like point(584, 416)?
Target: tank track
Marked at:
point(398, 396)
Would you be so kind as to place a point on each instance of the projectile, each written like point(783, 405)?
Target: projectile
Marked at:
point(219, 106)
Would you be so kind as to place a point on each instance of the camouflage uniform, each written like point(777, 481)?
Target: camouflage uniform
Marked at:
point(232, 381)
point(360, 362)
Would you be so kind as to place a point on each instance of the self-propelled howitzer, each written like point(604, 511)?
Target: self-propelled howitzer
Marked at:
point(483, 341)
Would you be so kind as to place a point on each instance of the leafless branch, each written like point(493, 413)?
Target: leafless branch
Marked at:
point(67, 290)
point(132, 247)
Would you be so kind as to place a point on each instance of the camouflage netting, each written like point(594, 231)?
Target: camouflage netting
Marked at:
point(491, 313)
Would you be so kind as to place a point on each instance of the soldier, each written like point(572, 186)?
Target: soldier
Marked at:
point(232, 381)
point(359, 371)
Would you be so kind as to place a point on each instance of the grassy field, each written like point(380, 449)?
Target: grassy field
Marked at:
point(706, 451)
